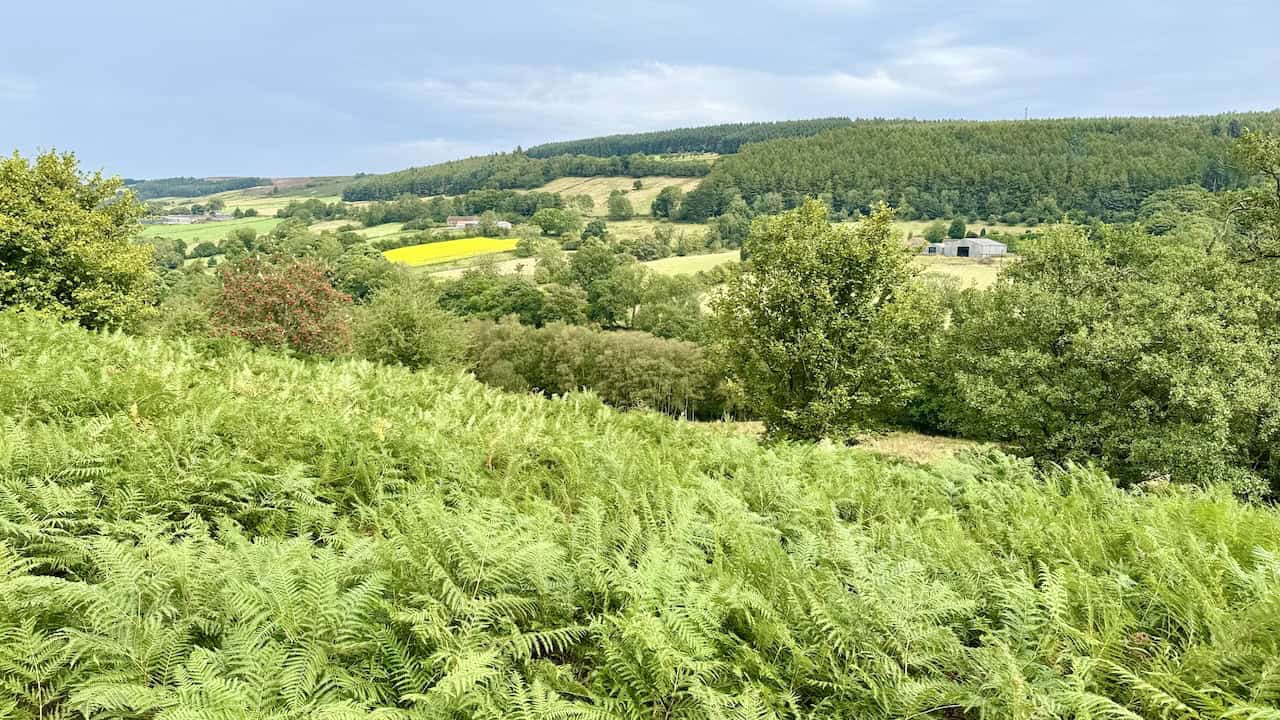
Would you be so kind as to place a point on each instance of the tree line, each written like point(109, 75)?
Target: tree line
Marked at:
point(515, 170)
point(189, 186)
point(1010, 171)
point(721, 139)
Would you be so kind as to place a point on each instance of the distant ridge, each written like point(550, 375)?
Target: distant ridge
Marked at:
point(720, 139)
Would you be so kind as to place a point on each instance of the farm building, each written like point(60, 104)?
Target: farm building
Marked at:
point(462, 222)
point(968, 247)
point(185, 219)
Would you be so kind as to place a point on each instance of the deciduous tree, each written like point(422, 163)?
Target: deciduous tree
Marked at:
point(825, 331)
point(67, 243)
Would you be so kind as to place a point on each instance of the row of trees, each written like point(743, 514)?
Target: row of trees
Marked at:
point(721, 139)
point(505, 203)
point(514, 170)
point(189, 186)
point(1020, 171)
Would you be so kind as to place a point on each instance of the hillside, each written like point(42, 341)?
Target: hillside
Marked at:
point(242, 535)
point(598, 189)
point(513, 171)
point(720, 139)
point(1013, 170)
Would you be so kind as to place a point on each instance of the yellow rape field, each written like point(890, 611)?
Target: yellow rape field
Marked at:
point(438, 252)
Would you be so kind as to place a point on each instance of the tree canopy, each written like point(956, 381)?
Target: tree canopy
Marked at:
point(189, 186)
point(67, 243)
point(824, 330)
point(722, 139)
point(1097, 168)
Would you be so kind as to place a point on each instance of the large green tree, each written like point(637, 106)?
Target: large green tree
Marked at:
point(557, 221)
point(1150, 355)
point(68, 243)
point(825, 330)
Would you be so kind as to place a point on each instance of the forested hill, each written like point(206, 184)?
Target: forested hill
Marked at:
point(510, 171)
point(1017, 170)
point(722, 139)
point(631, 155)
point(189, 186)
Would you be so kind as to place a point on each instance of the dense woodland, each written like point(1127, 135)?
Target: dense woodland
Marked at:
point(1013, 171)
point(720, 139)
point(512, 170)
point(189, 186)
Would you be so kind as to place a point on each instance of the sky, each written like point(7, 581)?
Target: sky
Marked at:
point(144, 88)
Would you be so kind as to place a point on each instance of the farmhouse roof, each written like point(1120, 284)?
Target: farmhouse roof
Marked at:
point(461, 218)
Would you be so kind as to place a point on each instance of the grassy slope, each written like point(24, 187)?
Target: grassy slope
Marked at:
point(245, 536)
point(600, 187)
point(212, 232)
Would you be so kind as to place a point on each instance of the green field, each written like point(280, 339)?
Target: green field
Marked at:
point(691, 264)
point(212, 232)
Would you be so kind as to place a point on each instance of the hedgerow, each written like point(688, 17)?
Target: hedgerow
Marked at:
point(242, 535)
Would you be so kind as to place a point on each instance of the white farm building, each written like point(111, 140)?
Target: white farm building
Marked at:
point(968, 248)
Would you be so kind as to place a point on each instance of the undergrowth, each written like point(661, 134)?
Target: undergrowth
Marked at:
point(238, 535)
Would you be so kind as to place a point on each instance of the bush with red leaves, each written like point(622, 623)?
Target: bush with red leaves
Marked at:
point(281, 304)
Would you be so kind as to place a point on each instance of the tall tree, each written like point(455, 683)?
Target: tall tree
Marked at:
point(825, 330)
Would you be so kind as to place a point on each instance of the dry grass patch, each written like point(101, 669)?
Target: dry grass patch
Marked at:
point(598, 188)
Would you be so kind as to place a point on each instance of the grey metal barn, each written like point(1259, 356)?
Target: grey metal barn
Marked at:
point(968, 247)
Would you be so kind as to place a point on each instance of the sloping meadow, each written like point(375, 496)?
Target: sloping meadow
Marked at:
point(238, 535)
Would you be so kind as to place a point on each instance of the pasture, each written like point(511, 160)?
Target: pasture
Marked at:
point(692, 264)
point(973, 273)
point(599, 187)
point(213, 232)
point(448, 250)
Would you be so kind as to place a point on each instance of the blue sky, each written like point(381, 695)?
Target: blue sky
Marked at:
point(293, 87)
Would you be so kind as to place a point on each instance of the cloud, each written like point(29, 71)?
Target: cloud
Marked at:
point(394, 156)
point(934, 73)
point(653, 95)
point(939, 60)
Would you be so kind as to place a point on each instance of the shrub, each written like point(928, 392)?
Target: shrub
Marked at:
point(935, 232)
point(626, 369)
point(281, 304)
point(405, 325)
point(620, 206)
